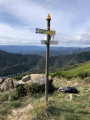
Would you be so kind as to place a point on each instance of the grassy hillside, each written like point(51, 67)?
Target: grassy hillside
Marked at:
point(61, 106)
point(82, 70)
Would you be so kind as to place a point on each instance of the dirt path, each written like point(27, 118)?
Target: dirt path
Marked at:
point(20, 113)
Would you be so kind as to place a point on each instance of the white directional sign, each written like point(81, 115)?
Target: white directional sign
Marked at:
point(51, 42)
point(42, 31)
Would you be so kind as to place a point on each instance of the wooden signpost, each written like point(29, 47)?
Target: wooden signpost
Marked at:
point(51, 42)
point(42, 31)
point(47, 42)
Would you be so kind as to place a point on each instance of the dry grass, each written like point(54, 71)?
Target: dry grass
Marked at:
point(60, 107)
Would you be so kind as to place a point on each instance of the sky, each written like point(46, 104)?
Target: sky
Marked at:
point(20, 18)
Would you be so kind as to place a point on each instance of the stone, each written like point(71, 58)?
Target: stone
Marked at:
point(39, 78)
point(26, 78)
point(2, 80)
point(8, 84)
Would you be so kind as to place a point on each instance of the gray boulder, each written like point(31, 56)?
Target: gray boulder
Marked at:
point(34, 78)
point(39, 78)
point(2, 80)
point(8, 84)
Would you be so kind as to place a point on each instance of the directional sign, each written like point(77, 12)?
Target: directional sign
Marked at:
point(42, 31)
point(51, 42)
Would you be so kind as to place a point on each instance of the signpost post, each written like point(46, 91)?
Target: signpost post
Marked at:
point(47, 42)
point(47, 58)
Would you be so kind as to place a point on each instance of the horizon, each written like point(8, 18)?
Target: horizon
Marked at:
point(45, 46)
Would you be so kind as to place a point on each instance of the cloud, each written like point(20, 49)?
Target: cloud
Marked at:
point(28, 12)
point(23, 35)
point(78, 40)
point(19, 18)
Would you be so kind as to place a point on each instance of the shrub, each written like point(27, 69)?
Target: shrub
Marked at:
point(83, 74)
point(30, 88)
point(13, 96)
point(21, 90)
point(37, 88)
point(4, 96)
point(16, 104)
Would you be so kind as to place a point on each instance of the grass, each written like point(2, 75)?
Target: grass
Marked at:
point(60, 106)
point(8, 102)
point(81, 71)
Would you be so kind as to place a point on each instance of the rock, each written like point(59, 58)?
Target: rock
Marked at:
point(39, 78)
point(34, 78)
point(26, 78)
point(2, 80)
point(21, 82)
point(8, 84)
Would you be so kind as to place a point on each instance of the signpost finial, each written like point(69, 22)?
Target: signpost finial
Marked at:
point(48, 17)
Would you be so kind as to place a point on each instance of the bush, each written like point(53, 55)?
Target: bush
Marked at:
point(16, 104)
point(83, 74)
point(4, 96)
point(30, 88)
point(13, 96)
point(21, 90)
point(37, 88)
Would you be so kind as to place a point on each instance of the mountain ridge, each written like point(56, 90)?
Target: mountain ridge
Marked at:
point(17, 63)
point(41, 50)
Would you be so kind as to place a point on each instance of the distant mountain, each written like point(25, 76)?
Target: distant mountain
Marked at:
point(11, 63)
point(41, 50)
point(16, 63)
point(66, 60)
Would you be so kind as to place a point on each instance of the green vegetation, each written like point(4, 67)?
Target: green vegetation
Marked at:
point(17, 64)
point(33, 88)
point(60, 106)
point(18, 77)
point(81, 71)
point(8, 101)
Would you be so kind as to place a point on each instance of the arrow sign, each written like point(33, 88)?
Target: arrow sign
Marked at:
point(51, 42)
point(42, 31)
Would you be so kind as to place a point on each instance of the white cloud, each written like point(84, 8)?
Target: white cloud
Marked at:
point(10, 35)
point(69, 19)
point(78, 40)
point(26, 11)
